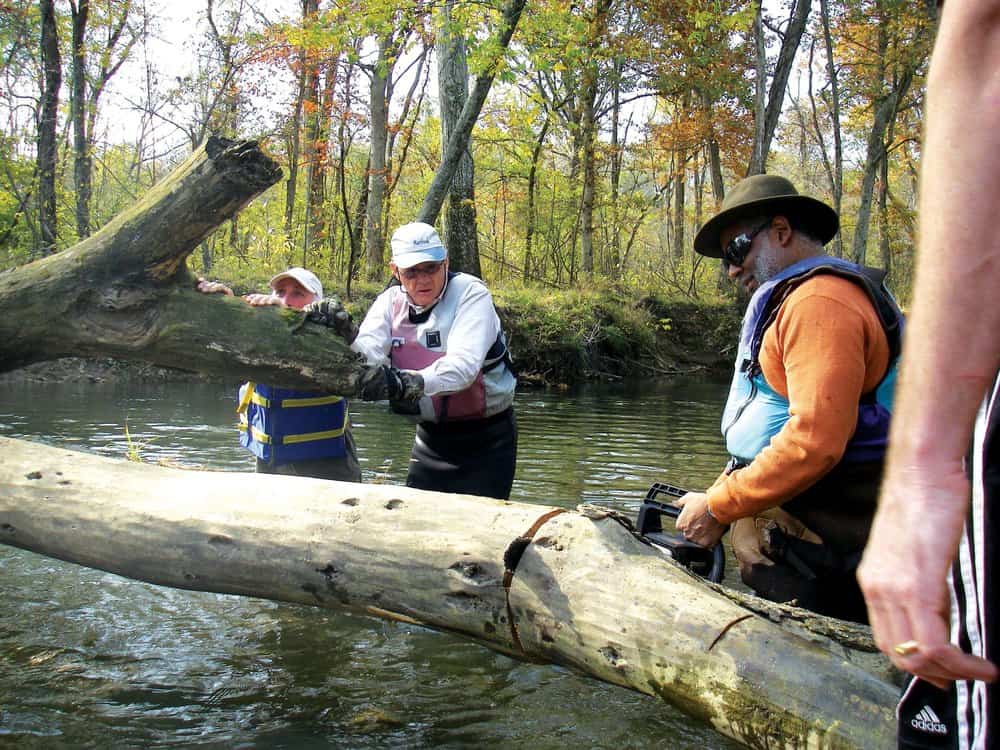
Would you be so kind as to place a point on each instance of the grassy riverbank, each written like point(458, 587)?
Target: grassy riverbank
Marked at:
point(557, 338)
point(566, 337)
point(563, 338)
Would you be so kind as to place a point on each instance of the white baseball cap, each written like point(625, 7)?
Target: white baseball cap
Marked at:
point(309, 281)
point(416, 243)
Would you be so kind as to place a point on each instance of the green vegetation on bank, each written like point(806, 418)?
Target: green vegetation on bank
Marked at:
point(565, 337)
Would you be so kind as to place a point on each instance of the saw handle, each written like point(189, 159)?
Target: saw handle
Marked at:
point(708, 562)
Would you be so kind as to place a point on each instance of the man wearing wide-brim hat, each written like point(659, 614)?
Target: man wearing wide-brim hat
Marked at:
point(809, 406)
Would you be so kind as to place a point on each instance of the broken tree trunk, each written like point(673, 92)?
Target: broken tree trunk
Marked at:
point(126, 292)
point(586, 593)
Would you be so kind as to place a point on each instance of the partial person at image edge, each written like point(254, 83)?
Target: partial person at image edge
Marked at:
point(930, 570)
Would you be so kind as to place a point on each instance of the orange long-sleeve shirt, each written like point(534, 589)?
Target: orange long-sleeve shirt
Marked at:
point(825, 348)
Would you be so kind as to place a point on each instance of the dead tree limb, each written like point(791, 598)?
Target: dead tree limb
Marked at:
point(126, 292)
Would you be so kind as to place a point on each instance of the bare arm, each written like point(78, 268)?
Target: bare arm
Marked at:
point(257, 300)
point(951, 353)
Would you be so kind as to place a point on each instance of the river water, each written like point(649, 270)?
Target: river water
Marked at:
point(88, 659)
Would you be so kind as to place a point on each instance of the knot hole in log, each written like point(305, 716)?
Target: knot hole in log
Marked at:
point(472, 572)
point(331, 576)
point(548, 542)
point(613, 657)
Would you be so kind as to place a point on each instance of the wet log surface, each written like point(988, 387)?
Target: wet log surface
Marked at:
point(586, 592)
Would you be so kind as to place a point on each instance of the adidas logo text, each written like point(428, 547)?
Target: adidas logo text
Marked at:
point(928, 721)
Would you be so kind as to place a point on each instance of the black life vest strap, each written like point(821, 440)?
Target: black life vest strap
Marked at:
point(871, 280)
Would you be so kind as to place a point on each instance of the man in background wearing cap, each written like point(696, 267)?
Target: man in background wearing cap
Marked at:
point(294, 433)
point(808, 409)
point(435, 350)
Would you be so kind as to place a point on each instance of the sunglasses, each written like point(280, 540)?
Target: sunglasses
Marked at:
point(738, 248)
point(422, 270)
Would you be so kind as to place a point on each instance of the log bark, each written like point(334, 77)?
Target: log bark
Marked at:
point(126, 292)
point(587, 593)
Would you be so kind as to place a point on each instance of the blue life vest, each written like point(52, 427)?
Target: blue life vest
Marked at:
point(280, 425)
point(755, 412)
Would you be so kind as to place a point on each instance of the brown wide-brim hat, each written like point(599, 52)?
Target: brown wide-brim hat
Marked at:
point(761, 195)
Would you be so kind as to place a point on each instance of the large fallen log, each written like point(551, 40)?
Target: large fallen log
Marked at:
point(126, 292)
point(586, 592)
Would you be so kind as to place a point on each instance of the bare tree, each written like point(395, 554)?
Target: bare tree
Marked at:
point(453, 87)
point(317, 74)
point(910, 53)
point(459, 141)
point(589, 100)
point(48, 115)
point(293, 140)
point(529, 231)
point(790, 39)
point(95, 61)
point(380, 91)
point(835, 171)
point(78, 114)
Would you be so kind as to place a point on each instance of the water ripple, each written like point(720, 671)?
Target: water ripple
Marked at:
point(88, 659)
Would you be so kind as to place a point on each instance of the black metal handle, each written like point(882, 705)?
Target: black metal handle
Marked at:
point(708, 562)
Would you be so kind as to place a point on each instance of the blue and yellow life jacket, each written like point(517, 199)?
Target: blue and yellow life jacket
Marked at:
point(755, 412)
point(280, 425)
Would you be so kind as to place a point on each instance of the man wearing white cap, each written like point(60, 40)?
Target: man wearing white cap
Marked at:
point(290, 432)
point(436, 351)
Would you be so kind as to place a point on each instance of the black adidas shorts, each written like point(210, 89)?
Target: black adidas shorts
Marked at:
point(966, 715)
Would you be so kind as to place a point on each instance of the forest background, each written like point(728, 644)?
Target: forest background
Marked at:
point(568, 151)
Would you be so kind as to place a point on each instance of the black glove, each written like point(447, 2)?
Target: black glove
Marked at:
point(384, 382)
point(331, 313)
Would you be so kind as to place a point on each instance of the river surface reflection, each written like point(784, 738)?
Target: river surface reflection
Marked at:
point(88, 659)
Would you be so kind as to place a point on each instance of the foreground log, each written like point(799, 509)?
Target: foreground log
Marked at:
point(586, 593)
point(126, 292)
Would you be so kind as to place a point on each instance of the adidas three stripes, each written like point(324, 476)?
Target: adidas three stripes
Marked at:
point(962, 717)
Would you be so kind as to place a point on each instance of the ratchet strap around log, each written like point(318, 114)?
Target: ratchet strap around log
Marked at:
point(512, 556)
